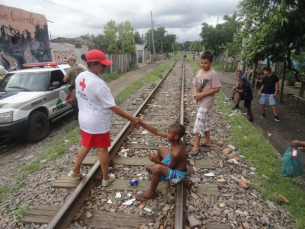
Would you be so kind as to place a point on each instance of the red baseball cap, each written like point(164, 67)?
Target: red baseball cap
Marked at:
point(95, 55)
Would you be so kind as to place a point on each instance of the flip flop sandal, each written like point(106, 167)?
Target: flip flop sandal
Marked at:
point(143, 198)
point(204, 145)
point(193, 152)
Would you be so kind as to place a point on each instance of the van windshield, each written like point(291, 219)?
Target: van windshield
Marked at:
point(24, 81)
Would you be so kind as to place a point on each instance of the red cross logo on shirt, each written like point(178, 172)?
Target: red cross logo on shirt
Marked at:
point(82, 84)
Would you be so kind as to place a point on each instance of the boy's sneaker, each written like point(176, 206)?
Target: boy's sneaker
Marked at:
point(235, 107)
point(108, 182)
point(230, 99)
point(250, 119)
point(276, 118)
point(263, 115)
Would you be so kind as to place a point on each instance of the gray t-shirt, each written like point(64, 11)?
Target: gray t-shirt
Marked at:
point(206, 82)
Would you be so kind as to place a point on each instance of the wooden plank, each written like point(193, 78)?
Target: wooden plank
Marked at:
point(139, 146)
point(90, 160)
point(108, 220)
point(204, 164)
point(208, 189)
point(114, 131)
point(131, 161)
point(142, 185)
point(37, 219)
point(65, 182)
point(40, 214)
point(217, 226)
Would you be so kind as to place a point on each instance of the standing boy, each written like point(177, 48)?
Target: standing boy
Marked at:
point(173, 166)
point(205, 85)
point(268, 91)
point(245, 93)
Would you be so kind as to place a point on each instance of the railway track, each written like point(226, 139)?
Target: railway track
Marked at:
point(127, 141)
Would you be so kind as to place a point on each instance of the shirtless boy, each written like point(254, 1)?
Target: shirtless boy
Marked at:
point(173, 166)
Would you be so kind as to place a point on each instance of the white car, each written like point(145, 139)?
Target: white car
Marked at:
point(32, 98)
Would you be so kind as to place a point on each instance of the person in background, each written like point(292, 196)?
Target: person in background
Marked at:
point(96, 104)
point(240, 76)
point(268, 92)
point(3, 72)
point(245, 93)
point(71, 75)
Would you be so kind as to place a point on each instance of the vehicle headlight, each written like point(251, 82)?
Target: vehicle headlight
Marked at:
point(6, 117)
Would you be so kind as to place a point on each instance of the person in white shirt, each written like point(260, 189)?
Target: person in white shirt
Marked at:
point(96, 104)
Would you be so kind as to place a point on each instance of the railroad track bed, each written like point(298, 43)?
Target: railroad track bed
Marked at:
point(152, 213)
point(212, 202)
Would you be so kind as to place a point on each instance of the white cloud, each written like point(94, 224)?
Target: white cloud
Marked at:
point(73, 18)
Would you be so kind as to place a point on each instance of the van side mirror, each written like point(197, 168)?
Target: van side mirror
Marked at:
point(55, 85)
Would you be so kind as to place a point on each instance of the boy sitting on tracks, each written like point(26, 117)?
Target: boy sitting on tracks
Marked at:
point(173, 166)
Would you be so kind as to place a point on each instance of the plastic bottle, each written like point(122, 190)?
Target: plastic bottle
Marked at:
point(295, 153)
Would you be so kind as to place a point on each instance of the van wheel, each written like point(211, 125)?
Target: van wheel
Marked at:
point(38, 127)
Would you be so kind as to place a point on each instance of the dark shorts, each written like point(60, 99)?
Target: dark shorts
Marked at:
point(247, 103)
point(96, 140)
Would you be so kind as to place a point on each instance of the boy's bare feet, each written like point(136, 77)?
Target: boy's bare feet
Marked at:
point(146, 196)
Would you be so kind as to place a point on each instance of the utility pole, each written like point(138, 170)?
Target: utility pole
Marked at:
point(123, 43)
point(152, 35)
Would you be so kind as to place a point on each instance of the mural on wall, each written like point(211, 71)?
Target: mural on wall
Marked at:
point(23, 38)
point(61, 56)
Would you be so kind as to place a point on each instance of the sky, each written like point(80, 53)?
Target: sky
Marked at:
point(72, 18)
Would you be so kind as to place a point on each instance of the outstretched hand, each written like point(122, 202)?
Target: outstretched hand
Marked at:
point(135, 123)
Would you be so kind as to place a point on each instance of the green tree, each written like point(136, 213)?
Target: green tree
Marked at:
point(125, 37)
point(216, 38)
point(137, 38)
point(110, 36)
point(187, 45)
point(196, 46)
point(273, 29)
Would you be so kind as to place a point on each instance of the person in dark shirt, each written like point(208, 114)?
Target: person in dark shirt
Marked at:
point(268, 91)
point(245, 94)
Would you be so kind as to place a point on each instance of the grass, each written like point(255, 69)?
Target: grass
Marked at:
point(108, 77)
point(149, 77)
point(267, 162)
point(21, 210)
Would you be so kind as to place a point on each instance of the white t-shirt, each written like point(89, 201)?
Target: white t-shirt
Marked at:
point(94, 100)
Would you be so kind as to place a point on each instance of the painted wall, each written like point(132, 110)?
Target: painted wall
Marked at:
point(23, 38)
point(60, 51)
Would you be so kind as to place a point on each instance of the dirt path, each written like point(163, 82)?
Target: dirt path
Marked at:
point(291, 113)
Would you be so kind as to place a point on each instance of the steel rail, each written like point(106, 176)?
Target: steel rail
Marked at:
point(179, 219)
point(63, 217)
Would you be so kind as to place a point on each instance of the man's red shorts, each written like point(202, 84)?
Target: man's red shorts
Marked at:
point(96, 140)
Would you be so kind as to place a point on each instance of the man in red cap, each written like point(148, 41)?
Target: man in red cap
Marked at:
point(95, 103)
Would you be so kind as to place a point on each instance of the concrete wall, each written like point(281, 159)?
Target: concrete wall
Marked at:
point(60, 51)
point(24, 38)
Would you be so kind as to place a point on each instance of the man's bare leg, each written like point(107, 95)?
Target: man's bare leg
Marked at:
point(274, 110)
point(82, 153)
point(103, 157)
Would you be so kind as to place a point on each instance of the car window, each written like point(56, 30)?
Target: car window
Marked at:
point(24, 81)
point(58, 76)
